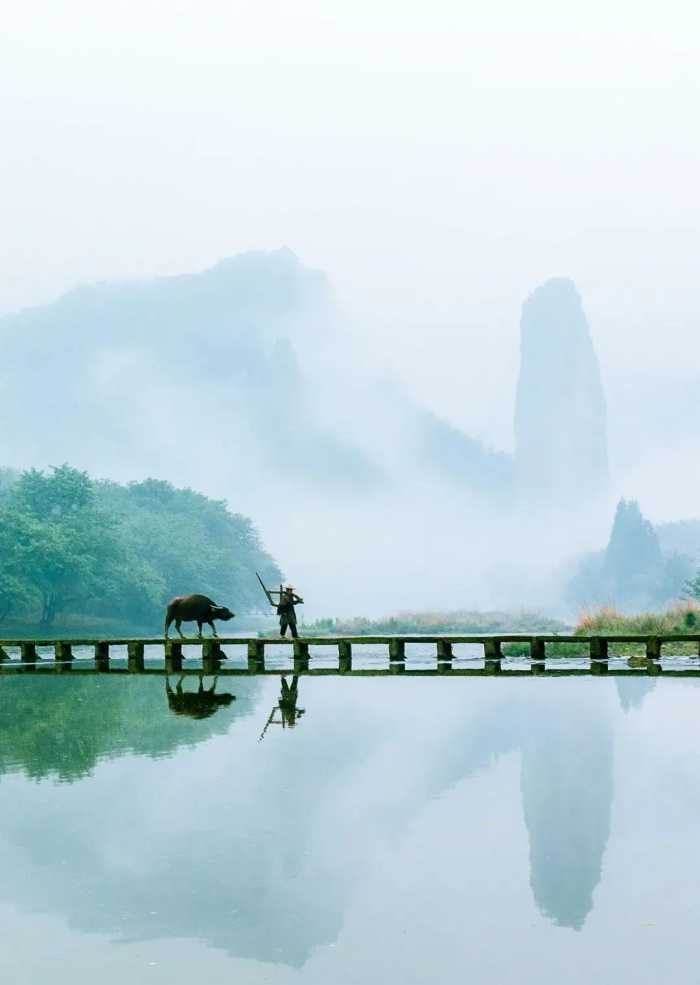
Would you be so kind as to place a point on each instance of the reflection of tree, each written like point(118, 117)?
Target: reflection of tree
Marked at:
point(248, 875)
point(567, 786)
point(63, 725)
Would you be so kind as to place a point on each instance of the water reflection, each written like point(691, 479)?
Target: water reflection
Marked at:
point(199, 704)
point(567, 789)
point(632, 690)
point(244, 837)
point(286, 705)
point(63, 727)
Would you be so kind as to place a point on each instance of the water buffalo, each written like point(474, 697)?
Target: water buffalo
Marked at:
point(195, 608)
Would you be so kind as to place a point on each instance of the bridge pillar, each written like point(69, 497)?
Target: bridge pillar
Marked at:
point(537, 653)
point(444, 656)
point(64, 656)
point(301, 656)
point(135, 661)
point(344, 656)
point(212, 655)
point(598, 652)
point(256, 657)
point(28, 654)
point(102, 656)
point(492, 656)
point(173, 656)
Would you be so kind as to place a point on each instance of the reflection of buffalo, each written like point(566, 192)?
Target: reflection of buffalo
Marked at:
point(195, 608)
point(196, 704)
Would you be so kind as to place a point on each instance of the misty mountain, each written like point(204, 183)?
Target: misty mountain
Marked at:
point(560, 415)
point(214, 372)
point(147, 373)
point(633, 573)
point(455, 457)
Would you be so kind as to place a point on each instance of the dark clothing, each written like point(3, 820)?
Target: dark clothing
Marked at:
point(288, 618)
point(285, 610)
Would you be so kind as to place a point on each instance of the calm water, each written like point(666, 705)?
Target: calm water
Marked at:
point(403, 831)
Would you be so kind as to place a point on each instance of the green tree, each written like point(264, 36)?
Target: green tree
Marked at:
point(70, 545)
point(61, 546)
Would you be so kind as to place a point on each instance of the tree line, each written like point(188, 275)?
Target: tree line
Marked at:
point(75, 547)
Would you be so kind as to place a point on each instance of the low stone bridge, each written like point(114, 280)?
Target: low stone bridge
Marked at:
point(509, 655)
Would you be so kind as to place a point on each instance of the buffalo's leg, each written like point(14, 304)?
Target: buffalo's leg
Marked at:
point(213, 628)
point(178, 624)
point(199, 630)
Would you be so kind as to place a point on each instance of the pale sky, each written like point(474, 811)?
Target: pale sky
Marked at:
point(437, 160)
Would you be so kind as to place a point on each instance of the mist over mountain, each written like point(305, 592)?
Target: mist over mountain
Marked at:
point(560, 418)
point(145, 377)
point(173, 373)
point(246, 382)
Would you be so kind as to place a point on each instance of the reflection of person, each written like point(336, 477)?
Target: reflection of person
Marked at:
point(196, 704)
point(287, 704)
point(285, 610)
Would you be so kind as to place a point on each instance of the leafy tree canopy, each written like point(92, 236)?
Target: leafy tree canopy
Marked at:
point(72, 545)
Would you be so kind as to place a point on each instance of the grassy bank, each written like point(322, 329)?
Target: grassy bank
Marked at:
point(683, 617)
point(460, 622)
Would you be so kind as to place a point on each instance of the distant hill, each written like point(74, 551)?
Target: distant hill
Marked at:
point(162, 376)
point(205, 374)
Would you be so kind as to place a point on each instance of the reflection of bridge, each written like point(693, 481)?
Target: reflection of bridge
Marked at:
point(481, 655)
